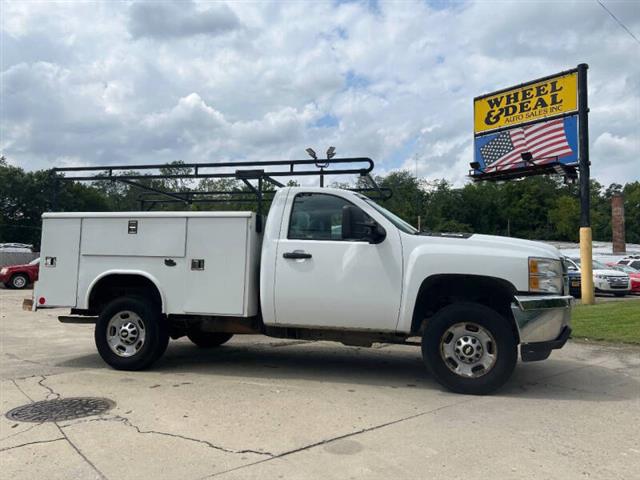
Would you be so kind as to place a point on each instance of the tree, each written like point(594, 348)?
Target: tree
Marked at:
point(540, 207)
point(565, 218)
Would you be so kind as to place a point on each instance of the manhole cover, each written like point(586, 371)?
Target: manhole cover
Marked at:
point(60, 409)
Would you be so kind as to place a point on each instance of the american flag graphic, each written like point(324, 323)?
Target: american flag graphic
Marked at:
point(545, 141)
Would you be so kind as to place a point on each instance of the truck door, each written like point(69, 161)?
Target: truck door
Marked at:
point(323, 280)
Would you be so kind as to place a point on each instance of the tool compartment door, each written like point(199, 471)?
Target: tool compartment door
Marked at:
point(216, 265)
point(58, 277)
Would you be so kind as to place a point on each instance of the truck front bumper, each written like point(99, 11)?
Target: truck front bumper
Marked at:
point(543, 324)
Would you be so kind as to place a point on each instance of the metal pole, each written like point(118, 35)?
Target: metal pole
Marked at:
point(586, 253)
point(259, 213)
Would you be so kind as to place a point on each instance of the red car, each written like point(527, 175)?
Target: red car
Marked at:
point(20, 276)
point(634, 276)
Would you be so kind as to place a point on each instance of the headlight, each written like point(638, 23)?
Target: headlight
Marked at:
point(601, 277)
point(545, 275)
point(4, 271)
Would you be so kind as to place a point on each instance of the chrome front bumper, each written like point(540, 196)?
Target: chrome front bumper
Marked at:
point(541, 318)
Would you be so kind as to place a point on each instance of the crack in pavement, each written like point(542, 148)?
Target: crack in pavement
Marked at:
point(31, 443)
point(128, 423)
point(340, 437)
point(75, 447)
point(51, 392)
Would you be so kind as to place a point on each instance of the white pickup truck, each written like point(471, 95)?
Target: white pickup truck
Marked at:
point(331, 264)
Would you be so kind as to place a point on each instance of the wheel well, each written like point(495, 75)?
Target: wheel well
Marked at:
point(438, 291)
point(119, 285)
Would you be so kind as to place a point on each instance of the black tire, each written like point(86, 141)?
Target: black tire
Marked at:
point(155, 330)
point(19, 281)
point(466, 314)
point(208, 339)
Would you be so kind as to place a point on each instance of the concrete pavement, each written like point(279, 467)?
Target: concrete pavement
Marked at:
point(264, 408)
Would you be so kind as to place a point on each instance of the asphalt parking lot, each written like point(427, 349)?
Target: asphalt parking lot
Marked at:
point(263, 408)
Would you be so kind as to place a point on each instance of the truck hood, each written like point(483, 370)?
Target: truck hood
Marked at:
point(528, 247)
point(609, 273)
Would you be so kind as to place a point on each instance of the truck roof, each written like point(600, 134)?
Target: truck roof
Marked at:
point(174, 214)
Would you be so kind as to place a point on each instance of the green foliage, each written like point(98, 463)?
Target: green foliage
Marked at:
point(565, 217)
point(632, 211)
point(539, 207)
point(611, 321)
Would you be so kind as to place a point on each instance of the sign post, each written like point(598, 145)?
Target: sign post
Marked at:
point(586, 254)
point(539, 127)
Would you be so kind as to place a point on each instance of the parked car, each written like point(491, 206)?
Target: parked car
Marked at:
point(605, 279)
point(634, 276)
point(575, 285)
point(632, 261)
point(16, 247)
point(20, 276)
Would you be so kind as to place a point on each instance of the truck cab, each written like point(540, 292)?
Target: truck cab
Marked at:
point(329, 264)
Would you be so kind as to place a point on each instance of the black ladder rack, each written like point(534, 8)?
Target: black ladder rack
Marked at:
point(264, 173)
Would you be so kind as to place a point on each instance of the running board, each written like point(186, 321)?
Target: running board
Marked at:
point(76, 319)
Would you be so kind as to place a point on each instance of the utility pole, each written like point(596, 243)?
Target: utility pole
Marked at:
point(586, 247)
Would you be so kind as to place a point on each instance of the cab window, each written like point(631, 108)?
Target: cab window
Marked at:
point(317, 216)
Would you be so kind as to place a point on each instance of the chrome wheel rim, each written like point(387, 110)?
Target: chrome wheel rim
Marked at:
point(126, 333)
point(468, 350)
point(19, 282)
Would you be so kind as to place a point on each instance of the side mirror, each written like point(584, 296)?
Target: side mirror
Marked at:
point(378, 233)
point(357, 226)
point(347, 221)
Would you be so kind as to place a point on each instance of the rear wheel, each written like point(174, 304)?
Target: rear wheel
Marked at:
point(469, 348)
point(131, 333)
point(19, 281)
point(208, 339)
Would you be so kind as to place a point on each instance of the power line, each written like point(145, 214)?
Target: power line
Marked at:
point(617, 20)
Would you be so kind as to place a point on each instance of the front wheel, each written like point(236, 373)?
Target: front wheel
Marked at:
point(131, 333)
point(208, 339)
point(469, 348)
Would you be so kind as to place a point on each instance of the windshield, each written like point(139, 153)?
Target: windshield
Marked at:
point(599, 266)
point(397, 221)
point(625, 268)
point(596, 265)
point(35, 261)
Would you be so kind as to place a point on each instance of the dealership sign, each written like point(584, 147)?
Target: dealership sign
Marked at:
point(528, 128)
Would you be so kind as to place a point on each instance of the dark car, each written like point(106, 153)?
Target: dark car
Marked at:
point(574, 283)
point(20, 276)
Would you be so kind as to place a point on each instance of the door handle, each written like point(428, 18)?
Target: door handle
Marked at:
point(169, 262)
point(296, 255)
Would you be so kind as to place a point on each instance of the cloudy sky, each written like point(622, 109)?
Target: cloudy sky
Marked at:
point(133, 82)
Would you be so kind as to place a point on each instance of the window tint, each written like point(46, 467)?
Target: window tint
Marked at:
point(317, 216)
point(635, 264)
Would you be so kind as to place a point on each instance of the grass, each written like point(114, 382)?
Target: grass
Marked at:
point(609, 322)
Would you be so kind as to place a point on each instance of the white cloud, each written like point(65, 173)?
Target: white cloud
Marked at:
point(110, 82)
